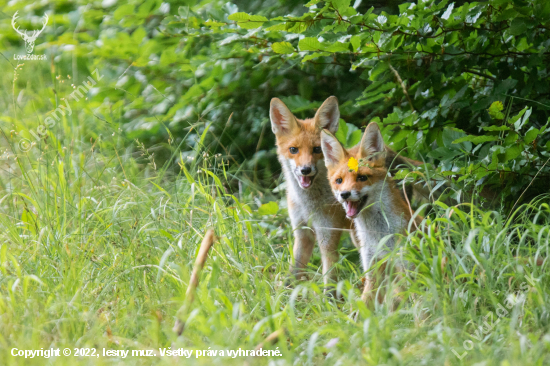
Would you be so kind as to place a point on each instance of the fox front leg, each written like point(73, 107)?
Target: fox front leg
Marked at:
point(371, 292)
point(367, 295)
point(304, 242)
point(328, 240)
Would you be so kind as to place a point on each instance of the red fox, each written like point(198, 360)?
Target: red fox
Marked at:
point(360, 182)
point(314, 212)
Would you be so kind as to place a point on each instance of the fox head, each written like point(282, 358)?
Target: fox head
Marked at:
point(299, 141)
point(354, 189)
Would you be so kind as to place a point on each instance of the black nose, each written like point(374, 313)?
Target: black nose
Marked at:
point(306, 170)
point(345, 195)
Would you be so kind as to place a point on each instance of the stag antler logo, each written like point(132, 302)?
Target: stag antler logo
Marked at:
point(29, 39)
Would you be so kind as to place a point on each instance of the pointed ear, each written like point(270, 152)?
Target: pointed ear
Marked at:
point(332, 149)
point(282, 119)
point(372, 141)
point(328, 115)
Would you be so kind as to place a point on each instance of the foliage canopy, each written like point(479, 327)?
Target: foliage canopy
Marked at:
point(463, 85)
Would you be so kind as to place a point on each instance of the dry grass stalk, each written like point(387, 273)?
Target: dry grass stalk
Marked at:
point(206, 244)
point(272, 338)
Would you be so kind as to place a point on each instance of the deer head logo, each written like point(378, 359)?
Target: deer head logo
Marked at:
point(29, 38)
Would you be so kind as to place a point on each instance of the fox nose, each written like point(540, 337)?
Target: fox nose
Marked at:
point(345, 195)
point(306, 170)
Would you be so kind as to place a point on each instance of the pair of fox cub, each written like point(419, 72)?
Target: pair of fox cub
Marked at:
point(327, 195)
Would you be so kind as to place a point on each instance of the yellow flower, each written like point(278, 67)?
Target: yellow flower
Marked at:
point(353, 164)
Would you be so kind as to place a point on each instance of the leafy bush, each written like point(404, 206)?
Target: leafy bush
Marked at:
point(429, 72)
point(437, 76)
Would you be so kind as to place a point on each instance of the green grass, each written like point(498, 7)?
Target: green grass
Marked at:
point(98, 242)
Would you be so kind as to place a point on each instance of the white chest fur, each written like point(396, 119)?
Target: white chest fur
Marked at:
point(316, 203)
point(378, 219)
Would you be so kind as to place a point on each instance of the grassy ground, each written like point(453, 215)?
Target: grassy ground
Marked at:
point(98, 243)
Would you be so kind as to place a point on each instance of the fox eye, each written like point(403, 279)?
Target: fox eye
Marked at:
point(339, 181)
point(293, 150)
point(317, 150)
point(362, 178)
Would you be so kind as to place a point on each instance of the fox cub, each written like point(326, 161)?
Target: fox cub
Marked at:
point(368, 195)
point(313, 210)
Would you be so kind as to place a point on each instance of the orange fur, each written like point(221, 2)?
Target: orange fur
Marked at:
point(376, 171)
point(306, 137)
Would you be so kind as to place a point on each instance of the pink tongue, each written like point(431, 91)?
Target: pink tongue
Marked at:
point(352, 208)
point(305, 181)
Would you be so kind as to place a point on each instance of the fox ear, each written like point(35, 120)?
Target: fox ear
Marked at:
point(372, 141)
point(332, 149)
point(282, 119)
point(328, 115)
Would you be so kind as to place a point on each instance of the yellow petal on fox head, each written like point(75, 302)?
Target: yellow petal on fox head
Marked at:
point(353, 164)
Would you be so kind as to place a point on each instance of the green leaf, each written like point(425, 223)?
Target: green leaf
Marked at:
point(340, 5)
point(342, 133)
point(511, 139)
point(314, 56)
point(494, 161)
point(377, 70)
point(296, 27)
point(310, 44)
point(370, 100)
point(443, 153)
point(475, 139)
point(531, 135)
point(213, 24)
point(354, 138)
point(239, 17)
point(504, 87)
point(283, 47)
point(311, 3)
point(378, 88)
point(276, 27)
point(123, 11)
point(512, 152)
point(297, 104)
point(193, 92)
point(138, 35)
point(258, 18)
point(518, 26)
point(269, 208)
point(168, 56)
point(495, 110)
point(452, 134)
point(519, 124)
point(522, 45)
point(517, 117)
point(496, 128)
point(247, 21)
point(355, 42)
point(338, 47)
point(188, 67)
point(348, 12)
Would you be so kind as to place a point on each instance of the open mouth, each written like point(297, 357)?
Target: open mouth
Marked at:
point(305, 181)
point(354, 207)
